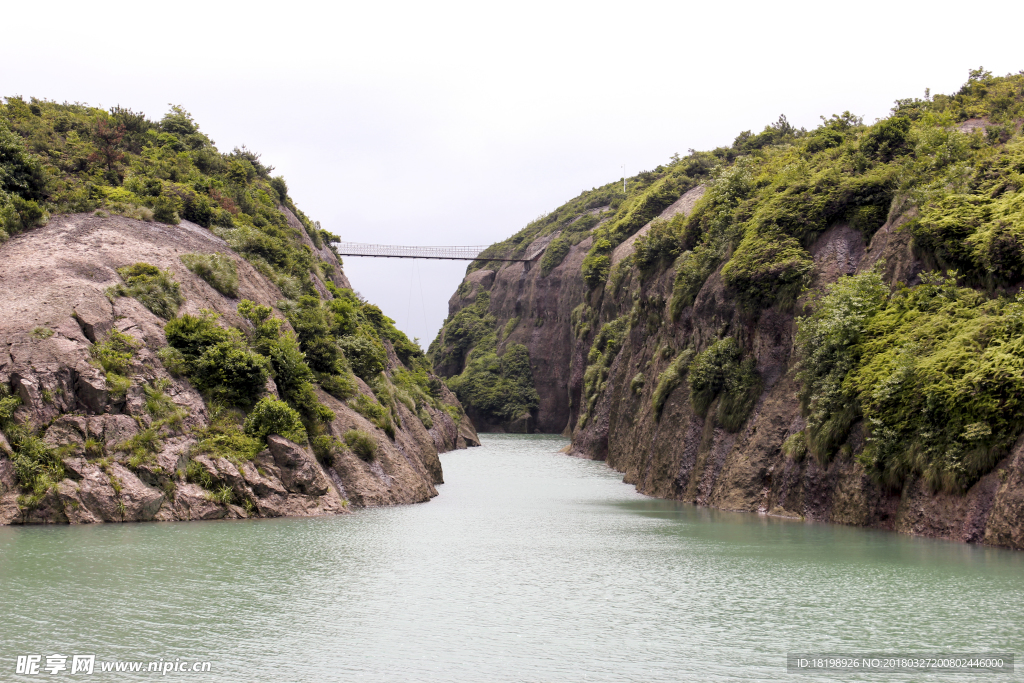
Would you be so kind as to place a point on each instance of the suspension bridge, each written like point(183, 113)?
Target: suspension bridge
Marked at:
point(398, 251)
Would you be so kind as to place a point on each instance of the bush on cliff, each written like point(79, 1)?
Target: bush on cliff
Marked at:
point(231, 373)
point(84, 158)
point(218, 270)
point(721, 370)
point(153, 288)
point(192, 335)
point(271, 416)
point(500, 387)
point(935, 370)
point(37, 467)
point(607, 343)
point(114, 354)
point(361, 443)
point(670, 378)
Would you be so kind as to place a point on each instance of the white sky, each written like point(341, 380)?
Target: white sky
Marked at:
point(457, 122)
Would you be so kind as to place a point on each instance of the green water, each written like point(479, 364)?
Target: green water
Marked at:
point(529, 566)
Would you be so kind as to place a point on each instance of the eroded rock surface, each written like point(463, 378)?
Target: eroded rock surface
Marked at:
point(684, 455)
point(55, 278)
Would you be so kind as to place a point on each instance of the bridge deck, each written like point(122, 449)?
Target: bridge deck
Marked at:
point(397, 251)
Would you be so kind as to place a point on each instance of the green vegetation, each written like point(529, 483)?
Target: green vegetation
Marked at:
point(721, 370)
point(555, 254)
point(373, 411)
point(114, 355)
point(197, 474)
point(271, 416)
point(217, 360)
point(225, 437)
point(66, 158)
point(37, 467)
point(934, 370)
point(499, 386)
point(143, 447)
point(931, 369)
point(670, 378)
point(218, 270)
point(63, 158)
point(605, 348)
point(597, 263)
point(361, 443)
point(795, 446)
point(153, 288)
point(463, 332)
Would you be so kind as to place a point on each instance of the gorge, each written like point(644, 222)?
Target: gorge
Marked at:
point(813, 324)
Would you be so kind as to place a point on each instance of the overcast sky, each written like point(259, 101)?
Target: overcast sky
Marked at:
point(457, 123)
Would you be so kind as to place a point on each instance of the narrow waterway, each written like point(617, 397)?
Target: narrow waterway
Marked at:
point(529, 566)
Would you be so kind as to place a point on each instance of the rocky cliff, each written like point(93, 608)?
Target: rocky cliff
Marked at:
point(179, 342)
point(55, 308)
point(803, 324)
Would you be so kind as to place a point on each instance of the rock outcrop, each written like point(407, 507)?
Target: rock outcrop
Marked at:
point(55, 308)
point(687, 457)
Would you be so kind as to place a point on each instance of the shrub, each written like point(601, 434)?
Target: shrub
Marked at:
point(366, 358)
point(271, 416)
point(326, 448)
point(223, 495)
point(165, 210)
point(887, 138)
point(118, 385)
point(153, 288)
point(934, 369)
point(21, 173)
point(828, 344)
point(340, 387)
point(219, 271)
point(498, 386)
point(554, 254)
point(368, 408)
point(361, 443)
point(192, 335)
point(795, 446)
point(197, 474)
point(670, 378)
point(36, 466)
point(173, 361)
point(768, 268)
point(720, 369)
point(226, 438)
point(636, 385)
point(41, 333)
point(597, 263)
point(115, 353)
point(662, 242)
point(231, 373)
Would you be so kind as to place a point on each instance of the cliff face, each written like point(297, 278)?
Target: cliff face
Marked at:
point(762, 328)
point(55, 310)
point(689, 457)
point(537, 311)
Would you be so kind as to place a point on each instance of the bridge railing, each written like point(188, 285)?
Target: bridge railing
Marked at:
point(401, 251)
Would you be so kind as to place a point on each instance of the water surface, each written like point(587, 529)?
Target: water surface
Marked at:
point(529, 566)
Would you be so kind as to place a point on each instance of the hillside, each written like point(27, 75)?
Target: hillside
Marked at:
point(178, 341)
point(821, 324)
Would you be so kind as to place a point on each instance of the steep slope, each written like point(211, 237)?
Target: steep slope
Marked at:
point(815, 324)
point(167, 370)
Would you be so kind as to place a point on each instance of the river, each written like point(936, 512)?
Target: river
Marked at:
point(529, 566)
